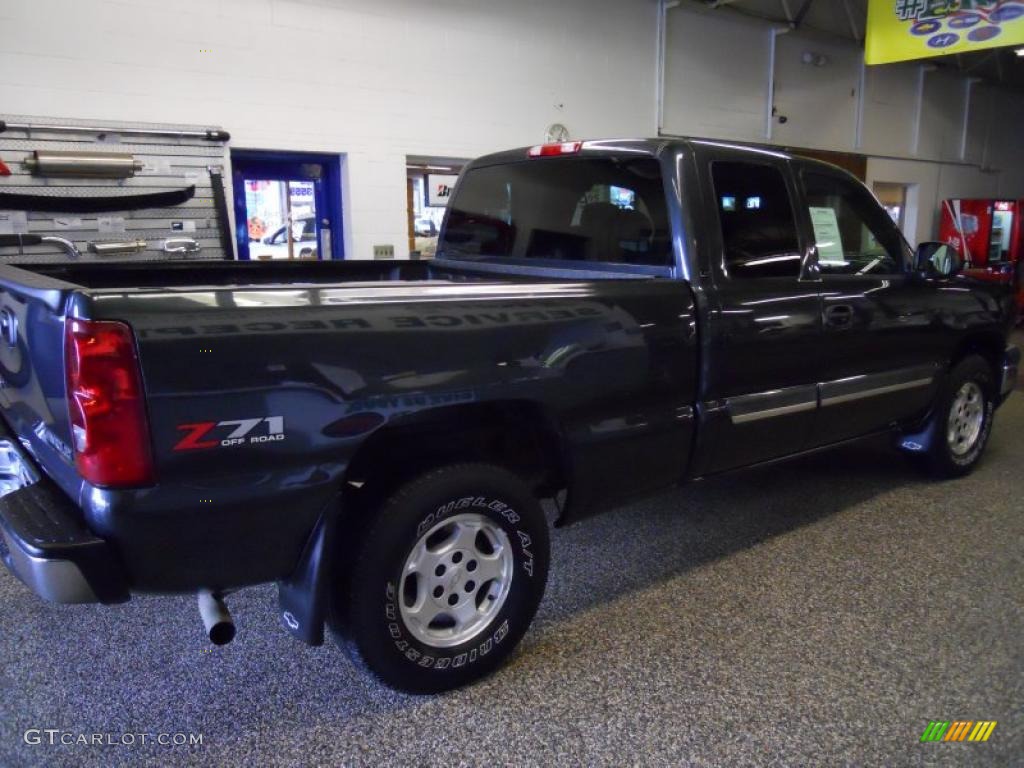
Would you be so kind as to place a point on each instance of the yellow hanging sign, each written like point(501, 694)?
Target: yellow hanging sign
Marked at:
point(899, 30)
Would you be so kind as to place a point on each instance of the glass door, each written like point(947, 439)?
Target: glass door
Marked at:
point(284, 209)
point(281, 219)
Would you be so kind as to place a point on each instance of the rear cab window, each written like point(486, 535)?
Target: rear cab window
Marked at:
point(576, 212)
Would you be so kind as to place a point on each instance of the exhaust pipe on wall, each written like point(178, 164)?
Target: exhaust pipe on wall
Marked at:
point(217, 621)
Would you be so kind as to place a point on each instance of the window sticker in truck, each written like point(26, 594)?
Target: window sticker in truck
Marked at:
point(232, 432)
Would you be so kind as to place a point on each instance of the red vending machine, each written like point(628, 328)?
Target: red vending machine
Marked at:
point(989, 236)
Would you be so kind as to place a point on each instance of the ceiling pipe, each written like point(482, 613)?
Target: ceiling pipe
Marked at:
point(853, 22)
point(769, 110)
point(799, 18)
point(659, 67)
point(968, 85)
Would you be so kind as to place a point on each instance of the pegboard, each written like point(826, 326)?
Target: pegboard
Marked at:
point(169, 163)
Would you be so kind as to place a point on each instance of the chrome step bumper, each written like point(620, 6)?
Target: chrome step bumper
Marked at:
point(44, 541)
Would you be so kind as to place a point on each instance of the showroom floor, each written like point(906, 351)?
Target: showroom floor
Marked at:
point(815, 613)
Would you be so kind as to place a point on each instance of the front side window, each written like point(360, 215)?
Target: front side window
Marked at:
point(853, 233)
point(758, 230)
point(570, 209)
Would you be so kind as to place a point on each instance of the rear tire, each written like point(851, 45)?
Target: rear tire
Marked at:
point(962, 421)
point(446, 580)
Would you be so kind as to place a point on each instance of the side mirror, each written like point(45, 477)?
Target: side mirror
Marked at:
point(937, 259)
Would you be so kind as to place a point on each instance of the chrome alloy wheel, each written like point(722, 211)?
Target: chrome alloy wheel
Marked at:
point(966, 418)
point(455, 580)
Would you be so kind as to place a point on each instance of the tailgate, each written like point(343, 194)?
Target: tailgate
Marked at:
point(32, 387)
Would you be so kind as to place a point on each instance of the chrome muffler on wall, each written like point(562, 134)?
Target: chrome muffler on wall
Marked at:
point(118, 247)
point(92, 165)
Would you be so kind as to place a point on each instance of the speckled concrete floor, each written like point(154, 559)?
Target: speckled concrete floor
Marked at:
point(815, 613)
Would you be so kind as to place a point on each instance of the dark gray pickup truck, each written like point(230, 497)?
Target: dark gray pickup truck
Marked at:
point(603, 319)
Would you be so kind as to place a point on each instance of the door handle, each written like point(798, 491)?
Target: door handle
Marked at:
point(839, 315)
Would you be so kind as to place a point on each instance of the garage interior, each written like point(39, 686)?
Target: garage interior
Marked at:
point(820, 611)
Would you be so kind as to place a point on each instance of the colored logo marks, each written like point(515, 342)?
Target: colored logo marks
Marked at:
point(926, 27)
point(1006, 13)
point(982, 34)
point(958, 730)
point(964, 20)
point(943, 40)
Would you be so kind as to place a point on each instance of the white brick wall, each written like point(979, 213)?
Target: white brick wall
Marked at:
point(376, 80)
point(371, 79)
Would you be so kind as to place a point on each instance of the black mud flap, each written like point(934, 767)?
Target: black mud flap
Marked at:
point(302, 597)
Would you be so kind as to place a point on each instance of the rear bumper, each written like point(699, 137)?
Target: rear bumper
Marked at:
point(1011, 371)
point(43, 540)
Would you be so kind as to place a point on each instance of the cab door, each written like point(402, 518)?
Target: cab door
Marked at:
point(764, 322)
point(882, 349)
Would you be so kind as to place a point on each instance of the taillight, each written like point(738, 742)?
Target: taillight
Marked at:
point(105, 401)
point(561, 148)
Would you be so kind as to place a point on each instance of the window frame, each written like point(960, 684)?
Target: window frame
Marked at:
point(751, 156)
point(840, 178)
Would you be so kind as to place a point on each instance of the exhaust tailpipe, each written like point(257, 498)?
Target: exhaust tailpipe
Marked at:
point(217, 621)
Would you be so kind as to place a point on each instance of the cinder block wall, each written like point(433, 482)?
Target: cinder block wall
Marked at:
point(378, 80)
point(370, 79)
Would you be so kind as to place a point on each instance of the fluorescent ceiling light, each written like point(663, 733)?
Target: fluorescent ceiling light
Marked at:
point(1019, 51)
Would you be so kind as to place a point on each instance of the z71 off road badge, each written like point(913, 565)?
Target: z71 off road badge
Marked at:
point(229, 433)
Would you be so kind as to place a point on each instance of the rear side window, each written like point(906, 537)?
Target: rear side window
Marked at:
point(758, 229)
point(571, 209)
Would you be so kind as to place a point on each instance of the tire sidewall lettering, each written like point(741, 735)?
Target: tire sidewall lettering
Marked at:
point(466, 502)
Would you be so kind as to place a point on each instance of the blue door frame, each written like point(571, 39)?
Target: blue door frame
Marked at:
point(323, 170)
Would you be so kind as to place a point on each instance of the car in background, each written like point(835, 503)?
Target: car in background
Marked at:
point(425, 228)
point(425, 241)
point(275, 245)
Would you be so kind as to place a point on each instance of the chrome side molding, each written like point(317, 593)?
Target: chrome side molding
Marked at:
point(744, 409)
point(875, 384)
point(775, 402)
